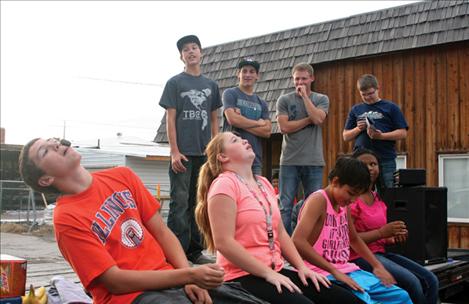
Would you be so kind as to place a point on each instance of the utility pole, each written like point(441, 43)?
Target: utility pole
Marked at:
point(63, 136)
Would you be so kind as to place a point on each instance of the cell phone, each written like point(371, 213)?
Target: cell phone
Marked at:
point(370, 123)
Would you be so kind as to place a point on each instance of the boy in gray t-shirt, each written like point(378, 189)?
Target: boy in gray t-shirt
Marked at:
point(191, 101)
point(300, 115)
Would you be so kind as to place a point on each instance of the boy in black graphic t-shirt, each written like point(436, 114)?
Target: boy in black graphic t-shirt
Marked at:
point(191, 101)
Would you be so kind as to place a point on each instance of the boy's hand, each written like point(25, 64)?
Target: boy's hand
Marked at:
point(373, 133)
point(207, 276)
point(361, 124)
point(176, 162)
point(197, 295)
point(301, 90)
point(261, 122)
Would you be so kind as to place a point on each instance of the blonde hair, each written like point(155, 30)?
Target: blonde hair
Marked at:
point(208, 172)
point(303, 66)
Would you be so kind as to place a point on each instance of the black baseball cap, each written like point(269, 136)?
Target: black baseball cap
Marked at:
point(188, 39)
point(249, 61)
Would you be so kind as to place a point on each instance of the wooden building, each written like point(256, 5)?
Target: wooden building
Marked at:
point(420, 54)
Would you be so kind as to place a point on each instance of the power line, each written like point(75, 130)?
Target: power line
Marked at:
point(122, 81)
point(75, 124)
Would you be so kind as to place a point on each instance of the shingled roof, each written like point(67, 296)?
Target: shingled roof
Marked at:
point(400, 28)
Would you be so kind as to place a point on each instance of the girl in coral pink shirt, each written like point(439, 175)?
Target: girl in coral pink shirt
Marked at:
point(238, 215)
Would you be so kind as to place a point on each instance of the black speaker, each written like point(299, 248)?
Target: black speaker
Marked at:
point(409, 177)
point(424, 210)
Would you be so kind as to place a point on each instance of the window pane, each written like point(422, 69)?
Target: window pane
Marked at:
point(401, 162)
point(456, 179)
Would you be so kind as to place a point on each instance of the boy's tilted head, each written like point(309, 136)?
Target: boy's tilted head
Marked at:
point(28, 169)
point(41, 161)
point(188, 39)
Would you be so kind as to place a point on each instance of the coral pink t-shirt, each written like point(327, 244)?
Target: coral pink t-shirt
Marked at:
point(369, 218)
point(333, 243)
point(251, 226)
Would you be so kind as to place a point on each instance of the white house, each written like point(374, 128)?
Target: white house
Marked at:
point(149, 160)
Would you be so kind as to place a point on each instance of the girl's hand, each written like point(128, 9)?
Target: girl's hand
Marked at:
point(385, 277)
point(400, 238)
point(280, 280)
point(306, 273)
point(340, 276)
point(393, 229)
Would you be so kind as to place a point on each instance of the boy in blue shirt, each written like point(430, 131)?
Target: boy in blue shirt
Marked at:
point(376, 124)
point(245, 112)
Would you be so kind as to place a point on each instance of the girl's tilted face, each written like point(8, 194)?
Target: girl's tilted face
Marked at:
point(373, 166)
point(237, 149)
point(344, 195)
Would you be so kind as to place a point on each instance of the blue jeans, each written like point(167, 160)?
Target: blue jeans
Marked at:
point(289, 178)
point(420, 283)
point(183, 192)
point(388, 167)
point(374, 291)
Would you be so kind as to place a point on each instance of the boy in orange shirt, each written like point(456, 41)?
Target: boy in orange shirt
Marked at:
point(109, 229)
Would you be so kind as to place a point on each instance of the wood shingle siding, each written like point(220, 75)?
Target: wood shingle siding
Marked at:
point(420, 54)
point(399, 29)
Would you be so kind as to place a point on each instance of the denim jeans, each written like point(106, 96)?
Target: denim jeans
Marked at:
point(289, 178)
point(420, 283)
point(388, 167)
point(181, 219)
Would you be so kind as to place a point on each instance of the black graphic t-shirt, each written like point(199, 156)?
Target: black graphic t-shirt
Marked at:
point(194, 98)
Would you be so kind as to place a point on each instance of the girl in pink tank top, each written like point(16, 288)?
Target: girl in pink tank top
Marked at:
point(325, 233)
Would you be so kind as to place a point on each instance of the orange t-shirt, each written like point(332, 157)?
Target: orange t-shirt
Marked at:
point(104, 226)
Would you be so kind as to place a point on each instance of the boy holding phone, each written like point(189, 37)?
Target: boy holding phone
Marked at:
point(376, 124)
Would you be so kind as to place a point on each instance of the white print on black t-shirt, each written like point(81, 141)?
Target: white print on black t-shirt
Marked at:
point(371, 114)
point(197, 98)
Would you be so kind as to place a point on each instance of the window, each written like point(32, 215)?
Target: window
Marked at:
point(453, 173)
point(401, 162)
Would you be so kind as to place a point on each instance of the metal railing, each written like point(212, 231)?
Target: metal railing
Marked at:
point(18, 203)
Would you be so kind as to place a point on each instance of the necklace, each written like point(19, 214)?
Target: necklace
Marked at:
point(268, 215)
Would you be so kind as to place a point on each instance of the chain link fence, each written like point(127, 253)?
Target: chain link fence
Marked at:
point(20, 204)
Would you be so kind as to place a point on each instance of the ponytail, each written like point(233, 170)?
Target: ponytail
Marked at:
point(208, 173)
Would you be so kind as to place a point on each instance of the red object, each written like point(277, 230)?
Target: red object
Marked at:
point(12, 276)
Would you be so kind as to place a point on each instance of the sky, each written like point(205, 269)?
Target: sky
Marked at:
point(91, 69)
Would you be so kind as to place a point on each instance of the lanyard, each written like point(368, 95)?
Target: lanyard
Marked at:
point(268, 215)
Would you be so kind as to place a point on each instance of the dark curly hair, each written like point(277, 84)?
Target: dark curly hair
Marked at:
point(379, 183)
point(351, 172)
